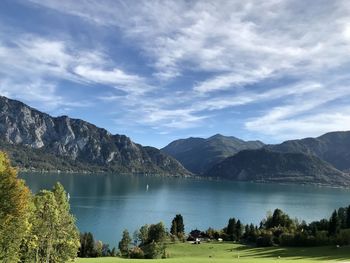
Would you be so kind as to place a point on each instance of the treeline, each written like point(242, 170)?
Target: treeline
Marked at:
point(34, 228)
point(280, 229)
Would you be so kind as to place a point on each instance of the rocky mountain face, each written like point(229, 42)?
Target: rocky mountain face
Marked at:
point(333, 148)
point(198, 154)
point(77, 142)
point(263, 165)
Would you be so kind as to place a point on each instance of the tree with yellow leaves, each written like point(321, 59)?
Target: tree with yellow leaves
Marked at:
point(14, 211)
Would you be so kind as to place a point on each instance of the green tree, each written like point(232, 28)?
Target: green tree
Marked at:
point(45, 219)
point(231, 229)
point(238, 230)
point(334, 224)
point(177, 226)
point(156, 233)
point(53, 236)
point(14, 211)
point(278, 219)
point(143, 234)
point(67, 239)
point(87, 246)
point(348, 217)
point(124, 243)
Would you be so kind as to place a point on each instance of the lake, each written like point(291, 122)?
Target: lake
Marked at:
point(107, 204)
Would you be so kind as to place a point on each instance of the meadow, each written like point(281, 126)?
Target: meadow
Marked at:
point(230, 252)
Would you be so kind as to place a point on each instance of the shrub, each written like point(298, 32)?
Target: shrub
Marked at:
point(136, 253)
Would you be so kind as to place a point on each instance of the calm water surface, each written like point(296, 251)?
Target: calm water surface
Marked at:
point(107, 204)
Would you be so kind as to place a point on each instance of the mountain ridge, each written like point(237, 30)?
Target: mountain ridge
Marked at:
point(332, 147)
point(78, 142)
point(199, 154)
point(263, 165)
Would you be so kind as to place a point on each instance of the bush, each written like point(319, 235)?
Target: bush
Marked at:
point(265, 240)
point(343, 238)
point(136, 253)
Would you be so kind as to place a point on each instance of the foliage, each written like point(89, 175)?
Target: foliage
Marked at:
point(87, 245)
point(125, 243)
point(136, 252)
point(14, 211)
point(53, 236)
point(178, 227)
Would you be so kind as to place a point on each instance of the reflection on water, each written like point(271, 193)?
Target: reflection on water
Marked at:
point(107, 204)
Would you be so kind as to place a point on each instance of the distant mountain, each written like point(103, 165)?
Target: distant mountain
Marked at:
point(333, 148)
point(198, 154)
point(263, 165)
point(35, 140)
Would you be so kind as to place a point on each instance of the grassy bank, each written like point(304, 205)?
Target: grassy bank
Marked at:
point(226, 252)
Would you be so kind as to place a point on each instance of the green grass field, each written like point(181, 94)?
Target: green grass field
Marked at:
point(226, 252)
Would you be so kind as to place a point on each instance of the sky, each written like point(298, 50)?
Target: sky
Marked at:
point(157, 71)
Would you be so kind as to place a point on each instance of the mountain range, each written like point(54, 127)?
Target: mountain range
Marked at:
point(322, 160)
point(38, 141)
point(198, 154)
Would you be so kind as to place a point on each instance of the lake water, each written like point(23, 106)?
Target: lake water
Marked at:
point(107, 204)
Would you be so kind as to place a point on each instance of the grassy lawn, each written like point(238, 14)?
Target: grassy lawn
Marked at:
point(226, 252)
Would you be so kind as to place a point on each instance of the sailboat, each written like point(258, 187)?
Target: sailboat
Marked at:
point(147, 186)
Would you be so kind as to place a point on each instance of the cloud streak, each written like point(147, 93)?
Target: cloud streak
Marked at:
point(278, 63)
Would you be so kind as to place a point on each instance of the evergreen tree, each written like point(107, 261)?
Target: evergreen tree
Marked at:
point(143, 234)
point(348, 217)
point(231, 229)
point(238, 230)
point(124, 243)
point(177, 226)
point(334, 224)
point(14, 211)
point(87, 246)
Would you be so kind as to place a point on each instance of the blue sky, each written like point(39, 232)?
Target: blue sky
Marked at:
point(161, 70)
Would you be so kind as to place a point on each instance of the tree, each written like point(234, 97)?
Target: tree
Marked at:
point(334, 224)
point(278, 219)
point(143, 234)
point(238, 230)
point(15, 203)
point(124, 243)
point(67, 240)
point(53, 236)
point(87, 246)
point(156, 233)
point(177, 226)
point(231, 229)
point(44, 222)
point(348, 217)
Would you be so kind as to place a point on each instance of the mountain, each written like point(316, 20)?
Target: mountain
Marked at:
point(263, 165)
point(333, 148)
point(198, 154)
point(35, 140)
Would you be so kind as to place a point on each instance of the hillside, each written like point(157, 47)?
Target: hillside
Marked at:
point(37, 141)
point(267, 166)
point(199, 154)
point(331, 147)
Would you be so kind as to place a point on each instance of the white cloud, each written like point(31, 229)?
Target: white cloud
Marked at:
point(241, 51)
point(36, 61)
point(309, 115)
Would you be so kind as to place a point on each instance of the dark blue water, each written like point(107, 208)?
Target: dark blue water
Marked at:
point(107, 204)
